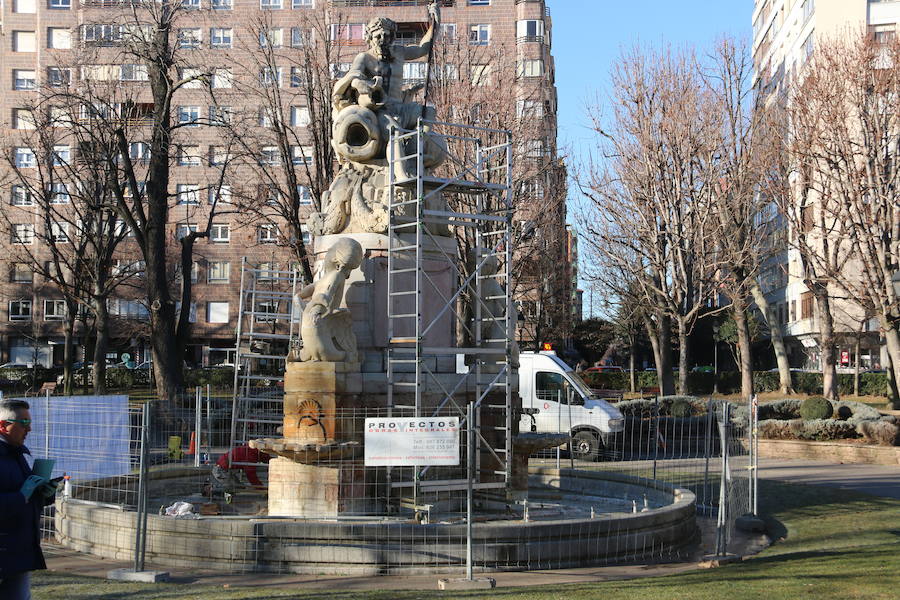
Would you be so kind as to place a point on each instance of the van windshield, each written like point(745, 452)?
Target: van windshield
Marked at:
point(579, 384)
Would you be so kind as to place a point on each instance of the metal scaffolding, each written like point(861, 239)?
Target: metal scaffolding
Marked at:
point(267, 330)
point(477, 170)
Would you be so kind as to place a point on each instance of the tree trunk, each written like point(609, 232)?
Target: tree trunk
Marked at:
point(776, 336)
point(632, 363)
point(745, 358)
point(660, 334)
point(69, 349)
point(826, 335)
point(892, 337)
point(683, 353)
point(101, 326)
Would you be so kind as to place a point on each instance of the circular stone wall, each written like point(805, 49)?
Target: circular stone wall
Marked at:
point(369, 547)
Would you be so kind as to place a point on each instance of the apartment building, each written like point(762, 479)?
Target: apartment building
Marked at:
point(784, 38)
point(51, 44)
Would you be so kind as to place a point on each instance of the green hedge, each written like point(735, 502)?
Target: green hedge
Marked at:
point(870, 384)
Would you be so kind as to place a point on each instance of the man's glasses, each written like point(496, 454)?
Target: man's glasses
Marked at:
point(22, 422)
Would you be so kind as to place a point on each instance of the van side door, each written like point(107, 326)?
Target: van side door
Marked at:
point(551, 392)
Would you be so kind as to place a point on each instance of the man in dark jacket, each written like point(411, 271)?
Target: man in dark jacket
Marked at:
point(20, 517)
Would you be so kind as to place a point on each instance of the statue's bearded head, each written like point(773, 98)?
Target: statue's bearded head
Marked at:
point(380, 35)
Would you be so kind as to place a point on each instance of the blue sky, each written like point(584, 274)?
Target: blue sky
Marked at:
point(588, 36)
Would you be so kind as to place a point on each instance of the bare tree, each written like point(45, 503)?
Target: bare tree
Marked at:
point(649, 202)
point(845, 128)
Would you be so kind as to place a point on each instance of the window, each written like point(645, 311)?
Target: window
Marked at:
point(58, 76)
point(302, 4)
point(793, 310)
point(265, 118)
point(59, 193)
point(188, 194)
point(268, 155)
point(266, 271)
point(22, 119)
point(24, 41)
point(100, 72)
point(300, 37)
point(301, 155)
point(270, 77)
point(189, 115)
point(24, 80)
point(299, 116)
point(139, 151)
point(340, 69)
point(530, 30)
point(809, 46)
point(267, 234)
point(189, 37)
point(222, 78)
point(884, 34)
point(220, 115)
point(24, 157)
point(550, 386)
point(221, 4)
point(806, 305)
point(533, 189)
point(25, 6)
point(348, 33)
point(531, 68)
point(195, 271)
point(809, 7)
point(61, 155)
point(21, 273)
point(192, 309)
point(481, 75)
point(190, 4)
point(218, 155)
point(181, 231)
point(21, 196)
point(414, 71)
point(479, 34)
point(223, 193)
point(305, 235)
point(447, 32)
point(59, 233)
point(478, 2)
point(59, 38)
point(194, 74)
point(101, 34)
point(54, 310)
point(270, 4)
point(305, 195)
point(273, 38)
point(129, 309)
point(218, 271)
point(20, 310)
point(266, 311)
point(529, 109)
point(534, 149)
point(122, 230)
point(217, 312)
point(130, 72)
point(298, 77)
point(220, 37)
point(189, 156)
point(220, 232)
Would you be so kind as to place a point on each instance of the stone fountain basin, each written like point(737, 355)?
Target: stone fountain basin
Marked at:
point(305, 452)
point(559, 534)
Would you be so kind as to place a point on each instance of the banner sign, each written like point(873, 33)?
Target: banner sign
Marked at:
point(410, 441)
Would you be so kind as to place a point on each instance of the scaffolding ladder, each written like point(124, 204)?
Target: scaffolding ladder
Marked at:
point(478, 167)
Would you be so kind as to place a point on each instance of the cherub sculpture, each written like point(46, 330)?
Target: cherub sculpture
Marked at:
point(325, 328)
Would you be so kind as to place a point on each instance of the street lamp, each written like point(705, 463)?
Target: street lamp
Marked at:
point(715, 330)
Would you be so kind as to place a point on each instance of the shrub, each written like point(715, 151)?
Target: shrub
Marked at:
point(816, 407)
point(884, 433)
point(681, 408)
point(821, 430)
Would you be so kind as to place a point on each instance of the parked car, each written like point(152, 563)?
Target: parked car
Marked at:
point(10, 365)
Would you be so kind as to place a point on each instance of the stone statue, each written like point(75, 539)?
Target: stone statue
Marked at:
point(325, 328)
point(366, 103)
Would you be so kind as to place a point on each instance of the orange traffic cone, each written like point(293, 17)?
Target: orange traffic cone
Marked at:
point(192, 447)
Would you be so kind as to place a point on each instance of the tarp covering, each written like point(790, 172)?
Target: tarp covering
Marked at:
point(88, 436)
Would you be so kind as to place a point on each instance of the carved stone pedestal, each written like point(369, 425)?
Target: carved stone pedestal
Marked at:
point(319, 401)
point(317, 491)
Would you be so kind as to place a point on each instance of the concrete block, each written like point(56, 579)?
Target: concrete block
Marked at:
point(476, 583)
point(714, 560)
point(138, 576)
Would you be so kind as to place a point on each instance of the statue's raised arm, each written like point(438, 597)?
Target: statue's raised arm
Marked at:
point(421, 49)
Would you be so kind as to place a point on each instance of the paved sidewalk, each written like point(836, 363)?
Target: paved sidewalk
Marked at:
point(877, 480)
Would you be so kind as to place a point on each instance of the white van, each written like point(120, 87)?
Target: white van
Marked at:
point(565, 403)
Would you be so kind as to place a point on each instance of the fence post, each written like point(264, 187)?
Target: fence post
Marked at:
point(655, 436)
point(722, 520)
point(470, 475)
point(140, 528)
point(710, 415)
point(198, 415)
point(559, 425)
point(754, 456)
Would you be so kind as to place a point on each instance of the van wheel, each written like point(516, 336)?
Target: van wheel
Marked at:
point(585, 446)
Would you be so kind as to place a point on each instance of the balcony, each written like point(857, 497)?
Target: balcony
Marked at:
point(352, 3)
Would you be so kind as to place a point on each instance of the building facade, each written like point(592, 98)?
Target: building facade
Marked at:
point(784, 38)
point(243, 48)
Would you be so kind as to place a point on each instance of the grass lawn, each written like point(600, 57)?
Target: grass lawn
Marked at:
point(836, 544)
